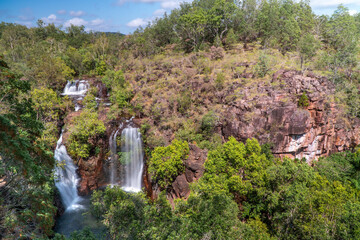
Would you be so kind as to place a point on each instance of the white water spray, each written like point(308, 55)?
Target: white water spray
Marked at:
point(114, 158)
point(67, 178)
point(76, 90)
point(132, 159)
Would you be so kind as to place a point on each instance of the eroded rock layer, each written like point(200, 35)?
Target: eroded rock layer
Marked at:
point(294, 131)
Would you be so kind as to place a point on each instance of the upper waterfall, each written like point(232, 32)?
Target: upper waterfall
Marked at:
point(76, 90)
point(78, 87)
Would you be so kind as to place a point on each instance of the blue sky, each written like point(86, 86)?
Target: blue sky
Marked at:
point(113, 15)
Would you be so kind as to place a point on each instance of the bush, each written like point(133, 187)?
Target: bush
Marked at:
point(90, 101)
point(263, 65)
point(84, 133)
point(303, 101)
point(184, 102)
point(216, 53)
point(220, 81)
point(113, 78)
point(208, 123)
point(166, 163)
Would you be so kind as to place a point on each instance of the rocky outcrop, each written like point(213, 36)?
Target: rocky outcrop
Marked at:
point(194, 169)
point(275, 117)
point(268, 110)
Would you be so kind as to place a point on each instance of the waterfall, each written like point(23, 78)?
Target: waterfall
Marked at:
point(76, 91)
point(113, 157)
point(76, 88)
point(67, 178)
point(132, 158)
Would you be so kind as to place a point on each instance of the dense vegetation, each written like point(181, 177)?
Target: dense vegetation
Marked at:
point(245, 193)
point(261, 197)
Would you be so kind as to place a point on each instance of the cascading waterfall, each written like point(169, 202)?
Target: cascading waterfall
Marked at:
point(67, 178)
point(113, 157)
point(132, 159)
point(76, 90)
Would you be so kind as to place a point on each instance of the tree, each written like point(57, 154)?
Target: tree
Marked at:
point(342, 35)
point(245, 21)
point(84, 133)
point(307, 48)
point(25, 162)
point(167, 162)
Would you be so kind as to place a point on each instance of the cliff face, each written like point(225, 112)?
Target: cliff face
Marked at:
point(265, 109)
point(273, 116)
point(301, 132)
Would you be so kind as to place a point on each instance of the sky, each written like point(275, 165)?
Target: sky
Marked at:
point(122, 16)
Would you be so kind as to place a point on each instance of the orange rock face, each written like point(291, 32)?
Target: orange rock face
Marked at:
point(297, 132)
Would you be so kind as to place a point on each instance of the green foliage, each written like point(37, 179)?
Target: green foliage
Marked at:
point(113, 78)
point(124, 213)
point(25, 162)
point(89, 101)
point(46, 103)
point(342, 36)
point(208, 123)
point(236, 168)
point(86, 129)
point(167, 162)
point(307, 48)
point(184, 102)
point(212, 216)
point(303, 100)
point(85, 234)
point(100, 67)
point(220, 81)
point(231, 39)
point(342, 167)
point(263, 65)
point(120, 93)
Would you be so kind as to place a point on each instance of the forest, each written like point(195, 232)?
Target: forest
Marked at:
point(177, 78)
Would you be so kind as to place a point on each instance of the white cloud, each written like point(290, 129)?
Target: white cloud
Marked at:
point(77, 13)
point(61, 12)
point(97, 22)
point(137, 22)
point(331, 3)
point(76, 22)
point(159, 12)
point(52, 18)
point(170, 4)
point(352, 12)
point(26, 23)
point(121, 2)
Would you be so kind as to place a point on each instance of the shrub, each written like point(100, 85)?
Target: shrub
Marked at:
point(303, 101)
point(83, 134)
point(184, 102)
point(220, 81)
point(167, 162)
point(113, 78)
point(90, 101)
point(263, 65)
point(216, 53)
point(208, 123)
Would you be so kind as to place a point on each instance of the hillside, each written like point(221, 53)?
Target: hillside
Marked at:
point(221, 120)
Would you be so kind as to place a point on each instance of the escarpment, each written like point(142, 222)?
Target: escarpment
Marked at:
point(274, 116)
point(269, 110)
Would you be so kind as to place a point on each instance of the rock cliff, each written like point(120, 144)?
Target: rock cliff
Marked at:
point(265, 109)
point(302, 132)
